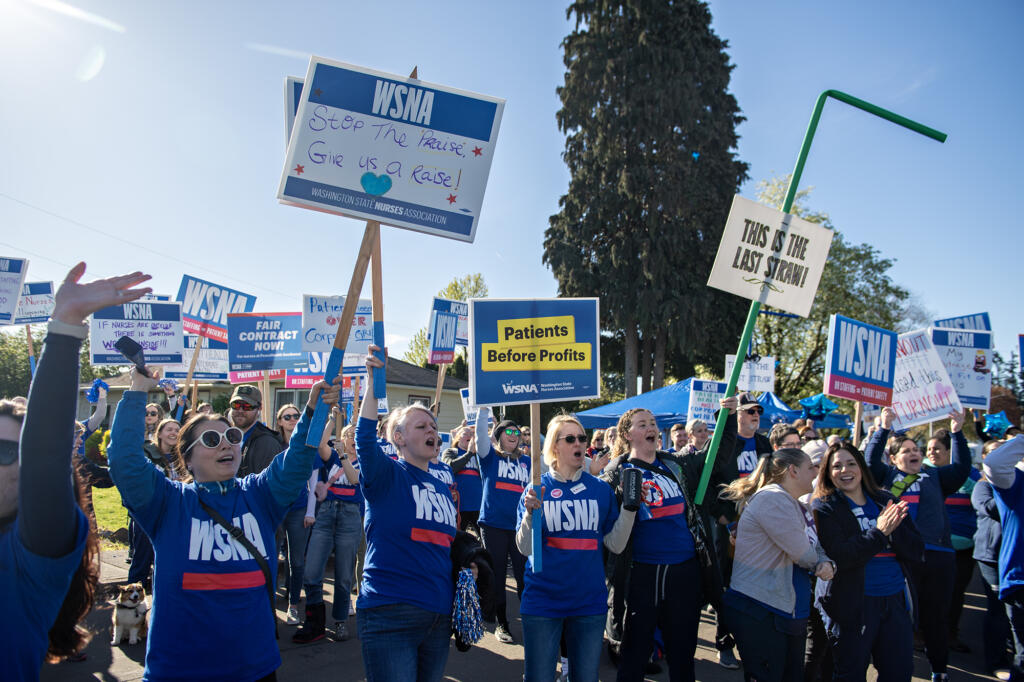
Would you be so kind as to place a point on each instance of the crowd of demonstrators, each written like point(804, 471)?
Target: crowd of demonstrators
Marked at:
point(465, 464)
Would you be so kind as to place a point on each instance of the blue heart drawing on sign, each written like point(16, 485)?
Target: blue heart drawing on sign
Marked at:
point(375, 185)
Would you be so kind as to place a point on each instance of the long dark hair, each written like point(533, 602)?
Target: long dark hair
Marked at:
point(826, 487)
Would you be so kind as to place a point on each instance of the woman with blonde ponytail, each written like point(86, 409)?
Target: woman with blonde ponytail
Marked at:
point(769, 598)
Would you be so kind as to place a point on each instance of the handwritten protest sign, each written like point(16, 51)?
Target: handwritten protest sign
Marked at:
point(770, 256)
point(922, 389)
point(398, 150)
point(205, 307)
point(12, 279)
point(704, 397)
point(977, 321)
point(442, 337)
point(265, 341)
point(212, 364)
point(860, 363)
point(471, 411)
point(153, 325)
point(754, 376)
point(254, 377)
point(320, 315)
point(533, 350)
point(35, 304)
point(460, 308)
point(967, 356)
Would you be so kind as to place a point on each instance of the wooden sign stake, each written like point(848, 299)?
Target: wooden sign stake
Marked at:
point(537, 515)
point(265, 390)
point(31, 351)
point(191, 370)
point(858, 418)
point(442, 369)
point(380, 386)
point(355, 398)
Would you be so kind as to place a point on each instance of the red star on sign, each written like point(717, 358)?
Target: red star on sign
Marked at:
point(299, 169)
point(318, 92)
point(451, 198)
point(477, 151)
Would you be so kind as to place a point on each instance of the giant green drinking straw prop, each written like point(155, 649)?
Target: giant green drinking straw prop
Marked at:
point(755, 305)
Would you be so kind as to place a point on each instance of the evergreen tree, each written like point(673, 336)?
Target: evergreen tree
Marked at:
point(650, 140)
point(459, 289)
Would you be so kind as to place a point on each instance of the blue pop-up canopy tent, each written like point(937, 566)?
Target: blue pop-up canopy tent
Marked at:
point(667, 404)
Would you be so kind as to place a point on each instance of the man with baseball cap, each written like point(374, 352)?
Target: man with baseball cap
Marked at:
point(260, 444)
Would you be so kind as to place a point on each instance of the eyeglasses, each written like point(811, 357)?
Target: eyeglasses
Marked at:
point(512, 432)
point(8, 452)
point(570, 439)
point(242, 406)
point(213, 438)
point(152, 414)
point(290, 417)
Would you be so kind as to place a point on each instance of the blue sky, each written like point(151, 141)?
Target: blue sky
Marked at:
point(151, 136)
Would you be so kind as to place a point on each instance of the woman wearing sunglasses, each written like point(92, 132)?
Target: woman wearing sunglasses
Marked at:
point(505, 473)
point(568, 596)
point(212, 597)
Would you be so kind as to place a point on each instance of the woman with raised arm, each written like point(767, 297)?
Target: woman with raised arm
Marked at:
point(875, 545)
point(925, 492)
point(405, 602)
point(213, 534)
point(47, 557)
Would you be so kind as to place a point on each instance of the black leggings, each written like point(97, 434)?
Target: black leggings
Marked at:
point(934, 580)
point(964, 573)
point(501, 545)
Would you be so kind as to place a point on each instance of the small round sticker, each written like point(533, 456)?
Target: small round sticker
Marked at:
point(556, 493)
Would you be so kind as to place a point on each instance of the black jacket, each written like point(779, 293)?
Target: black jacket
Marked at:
point(761, 444)
point(851, 549)
point(260, 449)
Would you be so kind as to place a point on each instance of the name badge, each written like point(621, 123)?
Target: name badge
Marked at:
point(578, 488)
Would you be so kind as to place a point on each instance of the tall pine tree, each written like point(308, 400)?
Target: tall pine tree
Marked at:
point(650, 143)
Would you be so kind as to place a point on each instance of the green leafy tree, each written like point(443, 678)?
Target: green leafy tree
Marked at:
point(855, 283)
point(459, 289)
point(650, 145)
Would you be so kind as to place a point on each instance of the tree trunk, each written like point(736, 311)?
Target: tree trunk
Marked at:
point(632, 342)
point(646, 360)
point(659, 358)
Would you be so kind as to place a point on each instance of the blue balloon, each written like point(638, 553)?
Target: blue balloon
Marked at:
point(817, 407)
point(996, 424)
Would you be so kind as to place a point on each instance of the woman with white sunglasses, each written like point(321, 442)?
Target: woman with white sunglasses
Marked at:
point(213, 584)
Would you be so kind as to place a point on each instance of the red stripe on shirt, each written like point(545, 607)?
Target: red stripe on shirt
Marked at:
point(959, 501)
point(571, 543)
point(222, 581)
point(469, 472)
point(885, 555)
point(911, 499)
point(671, 510)
point(342, 492)
point(501, 485)
point(431, 536)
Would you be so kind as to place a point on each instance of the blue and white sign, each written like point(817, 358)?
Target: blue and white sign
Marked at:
point(153, 325)
point(12, 280)
point(471, 411)
point(860, 363)
point(262, 341)
point(967, 356)
point(533, 350)
point(377, 146)
point(205, 307)
point(35, 304)
point(212, 364)
point(977, 322)
point(320, 318)
point(460, 308)
point(442, 337)
point(704, 397)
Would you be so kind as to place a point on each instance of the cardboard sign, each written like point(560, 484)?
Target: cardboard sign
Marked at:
point(922, 390)
point(258, 341)
point(977, 322)
point(255, 377)
point(460, 308)
point(211, 366)
point(967, 356)
point(533, 350)
point(442, 337)
point(35, 304)
point(12, 280)
point(769, 256)
point(205, 307)
point(704, 397)
point(377, 146)
point(153, 325)
point(754, 376)
point(320, 315)
point(860, 363)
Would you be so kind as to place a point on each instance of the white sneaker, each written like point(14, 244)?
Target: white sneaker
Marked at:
point(293, 616)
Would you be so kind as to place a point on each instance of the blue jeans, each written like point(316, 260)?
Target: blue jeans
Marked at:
point(339, 527)
point(142, 557)
point(403, 642)
point(583, 637)
point(298, 536)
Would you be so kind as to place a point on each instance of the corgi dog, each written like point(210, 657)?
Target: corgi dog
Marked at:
point(130, 614)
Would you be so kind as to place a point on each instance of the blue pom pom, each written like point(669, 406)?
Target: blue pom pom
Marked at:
point(93, 394)
point(467, 621)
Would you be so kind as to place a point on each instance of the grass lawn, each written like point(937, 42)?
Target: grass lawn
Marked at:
point(110, 515)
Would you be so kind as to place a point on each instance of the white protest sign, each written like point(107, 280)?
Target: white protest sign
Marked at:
point(155, 326)
point(471, 411)
point(12, 279)
point(377, 146)
point(35, 304)
point(212, 364)
point(320, 316)
point(770, 256)
point(967, 356)
point(754, 376)
point(704, 397)
point(922, 390)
